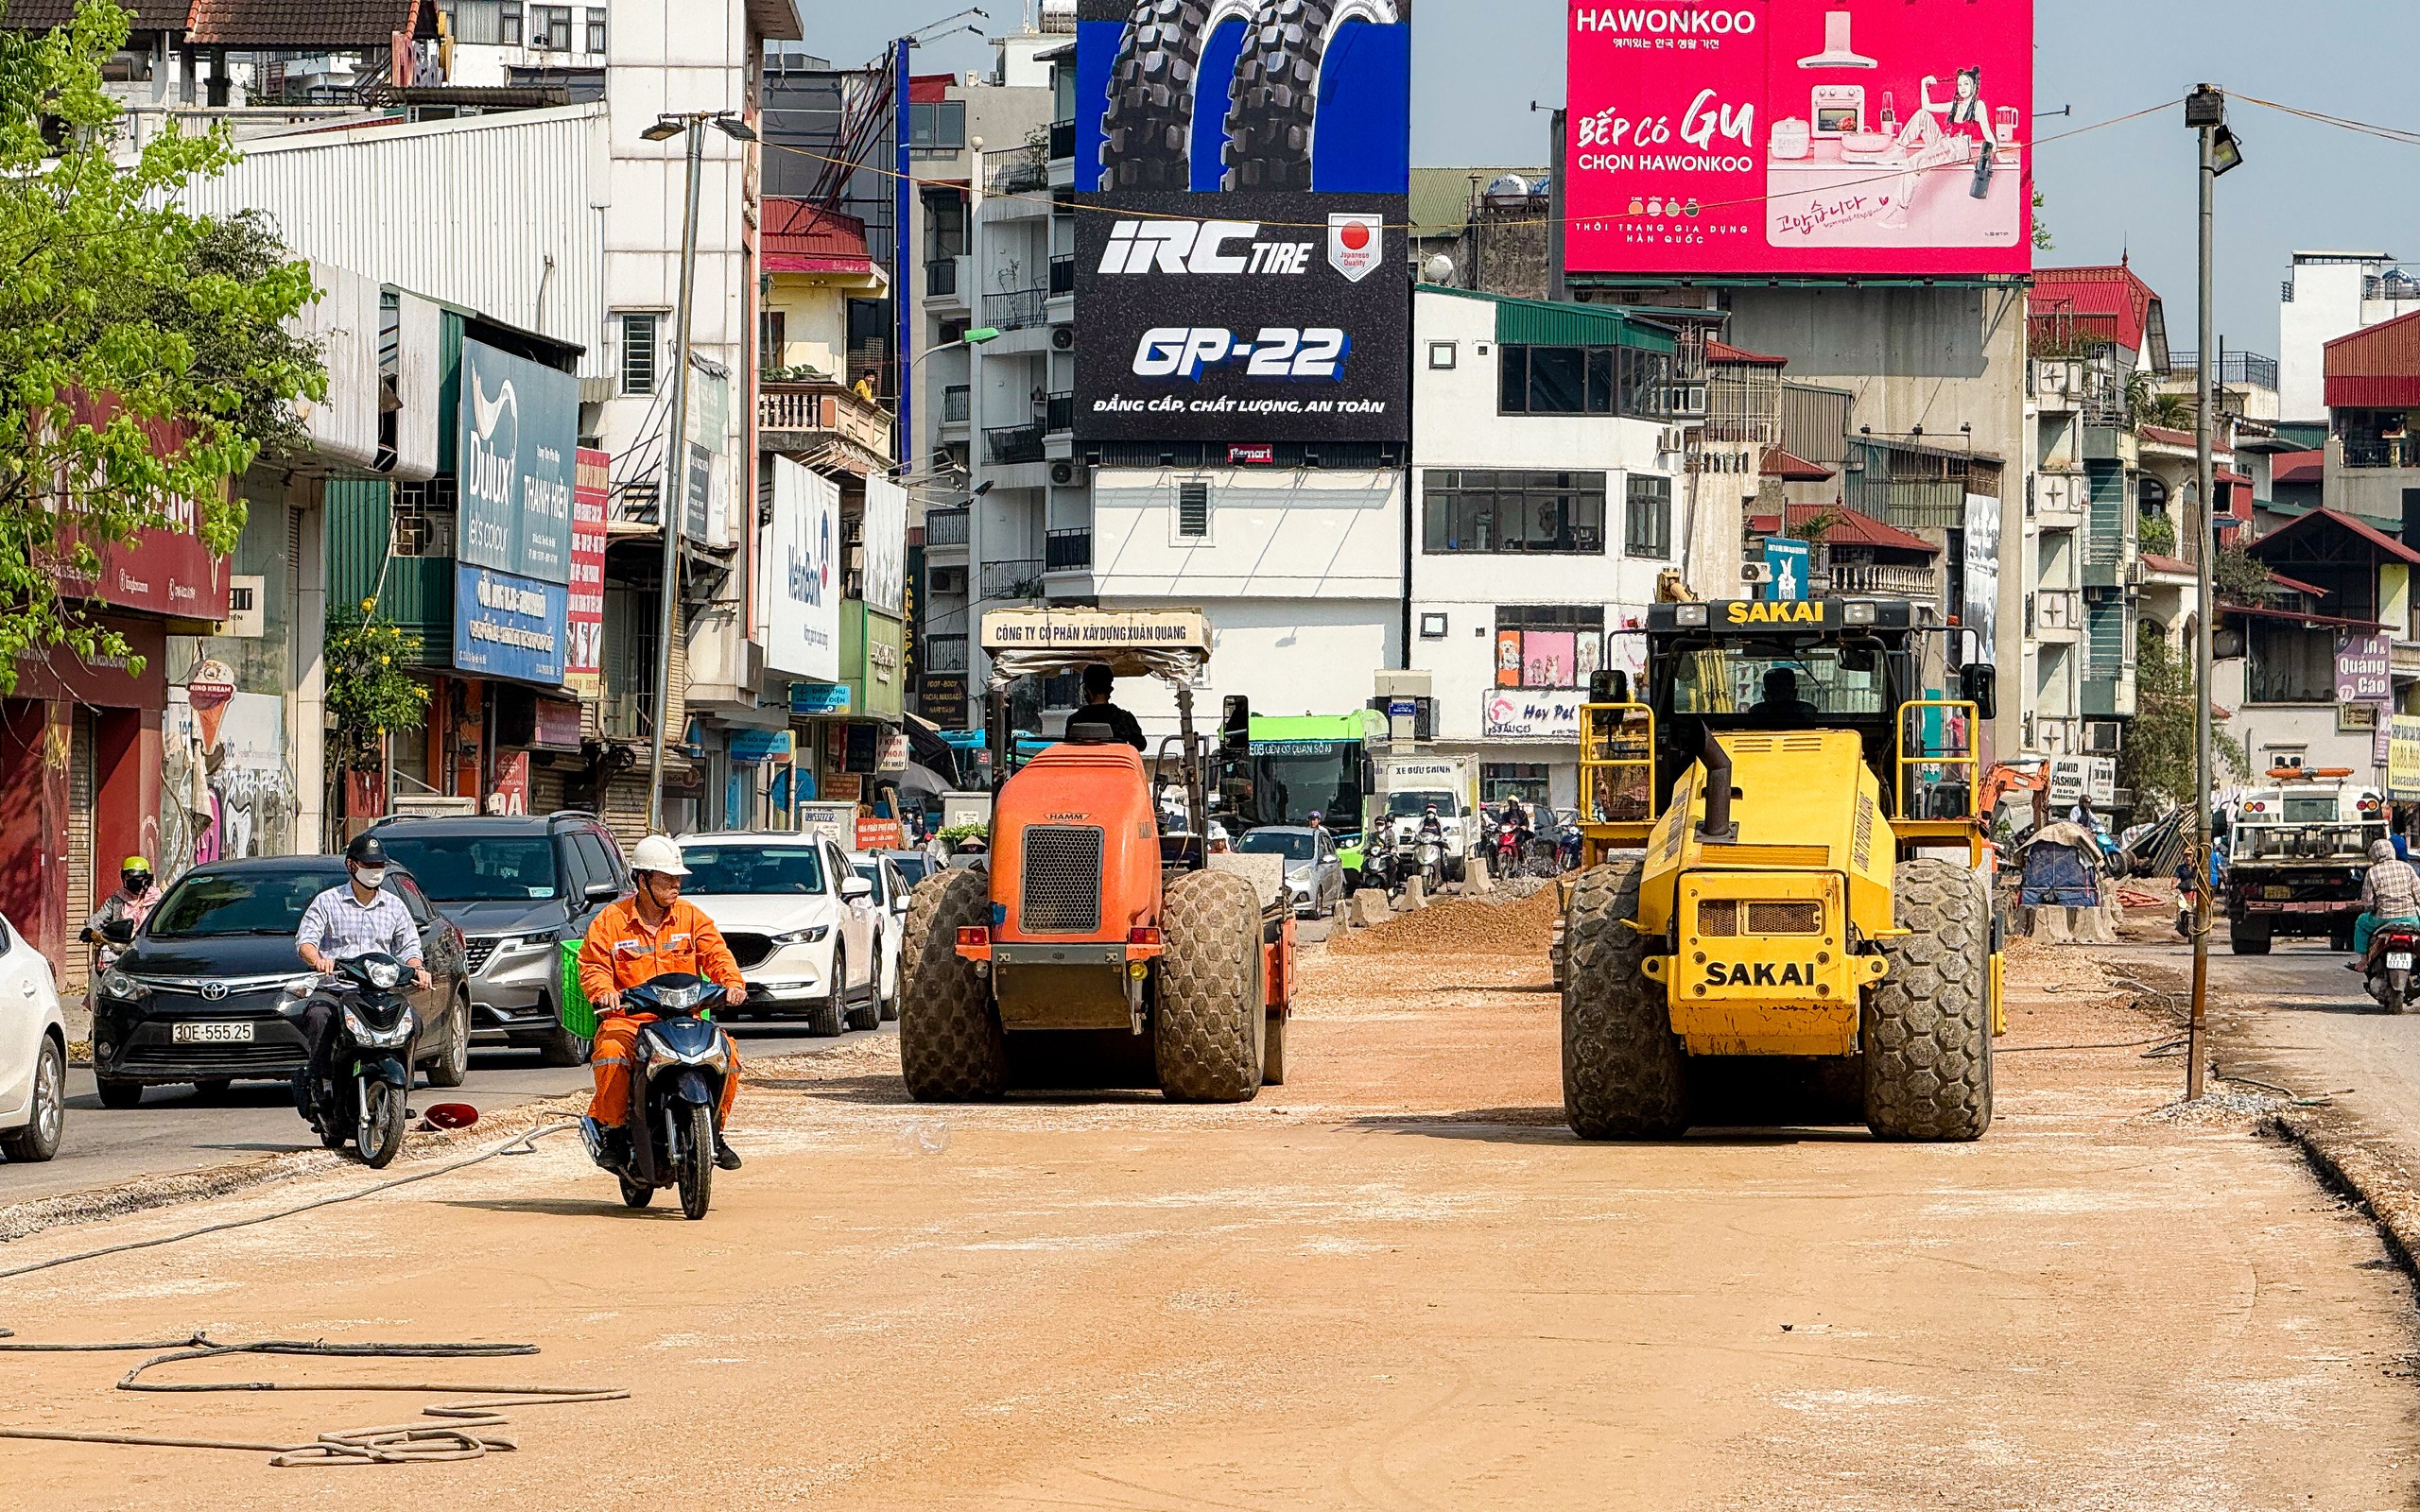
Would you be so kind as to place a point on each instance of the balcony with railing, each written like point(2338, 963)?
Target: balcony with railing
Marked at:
point(957, 403)
point(1069, 550)
point(1011, 444)
point(1884, 579)
point(1062, 140)
point(1018, 309)
point(1018, 171)
point(2384, 452)
point(1060, 414)
point(941, 277)
point(2237, 369)
point(1062, 275)
point(1013, 579)
point(945, 527)
point(803, 417)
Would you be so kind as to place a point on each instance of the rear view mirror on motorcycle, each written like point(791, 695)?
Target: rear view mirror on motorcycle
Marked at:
point(118, 931)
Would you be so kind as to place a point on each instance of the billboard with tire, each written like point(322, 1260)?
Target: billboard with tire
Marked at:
point(1241, 172)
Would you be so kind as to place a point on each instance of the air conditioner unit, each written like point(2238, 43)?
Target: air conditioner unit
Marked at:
point(1063, 339)
point(1673, 440)
point(1757, 574)
point(1062, 473)
point(2134, 572)
point(2104, 737)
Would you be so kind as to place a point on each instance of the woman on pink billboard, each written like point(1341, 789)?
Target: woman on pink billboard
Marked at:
point(1941, 133)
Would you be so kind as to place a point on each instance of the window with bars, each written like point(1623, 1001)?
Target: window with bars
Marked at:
point(640, 358)
point(1646, 524)
point(1193, 510)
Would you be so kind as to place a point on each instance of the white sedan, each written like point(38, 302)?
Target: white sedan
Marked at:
point(887, 909)
point(788, 905)
point(33, 1051)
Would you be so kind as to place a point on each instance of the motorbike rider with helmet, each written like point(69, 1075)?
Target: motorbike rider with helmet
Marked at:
point(137, 894)
point(652, 933)
point(358, 917)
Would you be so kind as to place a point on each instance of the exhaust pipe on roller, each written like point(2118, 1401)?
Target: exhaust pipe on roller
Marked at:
point(1718, 825)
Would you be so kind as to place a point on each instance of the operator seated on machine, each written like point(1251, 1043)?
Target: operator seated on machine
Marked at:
point(1781, 703)
point(1100, 722)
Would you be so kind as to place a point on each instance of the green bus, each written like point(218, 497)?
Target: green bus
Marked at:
point(1311, 764)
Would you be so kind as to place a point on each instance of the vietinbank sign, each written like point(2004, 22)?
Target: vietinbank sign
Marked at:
point(1848, 137)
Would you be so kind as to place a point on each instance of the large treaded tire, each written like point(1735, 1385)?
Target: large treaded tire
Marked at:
point(1624, 1072)
point(1927, 1026)
point(1208, 1034)
point(1147, 131)
point(1271, 117)
point(950, 1045)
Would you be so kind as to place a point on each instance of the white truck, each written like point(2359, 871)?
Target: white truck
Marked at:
point(1409, 784)
point(2295, 860)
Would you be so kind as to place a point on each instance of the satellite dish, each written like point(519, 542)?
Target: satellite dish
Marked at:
point(1438, 269)
point(1509, 186)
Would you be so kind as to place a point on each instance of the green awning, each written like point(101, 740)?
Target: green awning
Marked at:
point(1546, 323)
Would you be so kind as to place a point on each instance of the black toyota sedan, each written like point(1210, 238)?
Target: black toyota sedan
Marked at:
point(201, 996)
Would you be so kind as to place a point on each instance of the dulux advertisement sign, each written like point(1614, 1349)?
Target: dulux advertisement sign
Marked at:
point(515, 464)
point(800, 597)
point(1801, 136)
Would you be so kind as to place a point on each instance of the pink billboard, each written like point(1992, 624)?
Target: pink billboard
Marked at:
point(1801, 137)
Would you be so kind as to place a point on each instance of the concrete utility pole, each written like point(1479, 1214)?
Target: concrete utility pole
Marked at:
point(2205, 110)
point(673, 508)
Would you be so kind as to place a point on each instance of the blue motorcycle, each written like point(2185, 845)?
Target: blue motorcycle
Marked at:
point(677, 1069)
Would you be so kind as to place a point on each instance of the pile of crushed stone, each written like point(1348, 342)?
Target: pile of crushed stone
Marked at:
point(1524, 926)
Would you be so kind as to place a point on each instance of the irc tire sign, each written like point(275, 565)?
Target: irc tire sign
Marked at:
point(1242, 169)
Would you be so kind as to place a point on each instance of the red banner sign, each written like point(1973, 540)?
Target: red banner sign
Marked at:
point(584, 629)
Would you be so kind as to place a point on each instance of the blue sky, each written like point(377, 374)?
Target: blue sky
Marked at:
point(1478, 63)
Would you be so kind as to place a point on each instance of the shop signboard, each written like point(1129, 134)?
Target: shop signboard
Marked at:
point(707, 495)
point(884, 537)
point(516, 437)
point(513, 781)
point(946, 700)
point(1532, 713)
point(2364, 668)
point(584, 617)
point(1242, 270)
point(878, 835)
point(558, 725)
point(801, 583)
point(508, 626)
point(894, 753)
point(1791, 561)
point(1016, 630)
point(2073, 777)
point(814, 699)
point(825, 816)
point(2403, 757)
point(1801, 137)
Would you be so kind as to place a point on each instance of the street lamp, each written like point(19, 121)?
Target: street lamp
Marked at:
point(2205, 110)
point(674, 504)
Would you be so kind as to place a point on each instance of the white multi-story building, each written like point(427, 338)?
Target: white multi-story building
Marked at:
point(1543, 513)
point(2331, 295)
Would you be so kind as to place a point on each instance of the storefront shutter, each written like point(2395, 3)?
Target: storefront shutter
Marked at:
point(80, 849)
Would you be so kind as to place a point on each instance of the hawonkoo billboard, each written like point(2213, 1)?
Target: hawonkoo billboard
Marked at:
point(1242, 169)
point(1820, 137)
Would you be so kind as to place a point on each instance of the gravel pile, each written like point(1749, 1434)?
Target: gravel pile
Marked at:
point(1523, 926)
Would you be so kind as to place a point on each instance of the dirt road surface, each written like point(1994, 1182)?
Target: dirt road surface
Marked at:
point(1396, 1283)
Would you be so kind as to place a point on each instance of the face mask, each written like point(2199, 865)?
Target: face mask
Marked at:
point(370, 877)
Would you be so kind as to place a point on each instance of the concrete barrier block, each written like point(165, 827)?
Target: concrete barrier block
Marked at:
point(1369, 907)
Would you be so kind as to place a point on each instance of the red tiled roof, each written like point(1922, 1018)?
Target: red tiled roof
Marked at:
point(803, 238)
point(1787, 466)
point(1849, 528)
point(2225, 474)
point(2296, 585)
point(2108, 303)
point(1725, 352)
point(2384, 542)
point(2297, 467)
point(306, 23)
point(2154, 561)
point(2165, 437)
point(45, 15)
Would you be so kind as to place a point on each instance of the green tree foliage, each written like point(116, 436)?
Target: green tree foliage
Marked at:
point(369, 692)
point(2158, 760)
point(144, 361)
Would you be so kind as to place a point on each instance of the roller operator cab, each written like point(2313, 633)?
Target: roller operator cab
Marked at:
point(1096, 947)
point(1786, 910)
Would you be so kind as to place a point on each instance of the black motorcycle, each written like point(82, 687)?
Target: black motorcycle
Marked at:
point(677, 1074)
point(363, 1099)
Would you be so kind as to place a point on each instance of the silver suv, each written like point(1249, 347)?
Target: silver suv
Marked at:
point(517, 889)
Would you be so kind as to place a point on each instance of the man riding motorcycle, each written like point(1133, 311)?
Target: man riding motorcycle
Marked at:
point(359, 916)
point(2390, 895)
point(652, 933)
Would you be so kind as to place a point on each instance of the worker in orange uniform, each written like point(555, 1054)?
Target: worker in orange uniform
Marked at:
point(652, 933)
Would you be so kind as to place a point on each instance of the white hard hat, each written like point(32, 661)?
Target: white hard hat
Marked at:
point(658, 854)
point(1217, 831)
